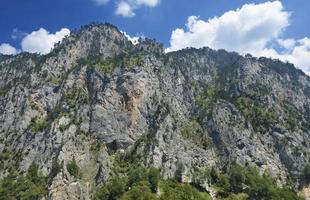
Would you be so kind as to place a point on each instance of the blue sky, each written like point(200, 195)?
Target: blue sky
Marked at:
point(163, 20)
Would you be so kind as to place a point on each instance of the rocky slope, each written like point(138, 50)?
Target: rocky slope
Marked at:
point(96, 95)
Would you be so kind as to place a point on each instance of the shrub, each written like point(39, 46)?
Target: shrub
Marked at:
point(208, 97)
point(247, 183)
point(200, 176)
point(237, 178)
point(264, 187)
point(74, 169)
point(136, 175)
point(194, 132)
point(38, 124)
point(3, 92)
point(106, 65)
point(5, 155)
point(260, 118)
point(56, 167)
point(33, 186)
point(113, 190)
point(154, 176)
point(305, 174)
point(177, 191)
point(141, 191)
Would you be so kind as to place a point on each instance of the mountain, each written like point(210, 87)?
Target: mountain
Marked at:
point(99, 113)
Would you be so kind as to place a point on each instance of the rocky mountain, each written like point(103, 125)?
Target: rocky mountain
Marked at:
point(96, 101)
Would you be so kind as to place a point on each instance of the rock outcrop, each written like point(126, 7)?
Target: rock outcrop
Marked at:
point(96, 94)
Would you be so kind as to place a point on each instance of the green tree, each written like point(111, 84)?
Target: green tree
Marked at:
point(136, 175)
point(154, 176)
point(305, 174)
point(73, 168)
point(237, 178)
point(33, 186)
point(177, 191)
point(141, 191)
point(113, 190)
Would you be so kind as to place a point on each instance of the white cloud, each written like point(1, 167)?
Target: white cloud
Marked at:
point(149, 3)
point(134, 40)
point(41, 41)
point(101, 2)
point(286, 43)
point(124, 9)
point(251, 29)
point(7, 49)
point(244, 29)
point(298, 54)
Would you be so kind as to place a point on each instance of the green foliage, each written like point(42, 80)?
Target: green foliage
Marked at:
point(5, 155)
point(140, 191)
point(248, 103)
point(76, 96)
point(129, 181)
point(63, 127)
point(237, 179)
point(122, 162)
point(30, 187)
point(33, 173)
point(247, 181)
point(74, 169)
point(113, 190)
point(240, 183)
point(95, 146)
point(200, 176)
point(194, 132)
point(56, 167)
point(291, 115)
point(38, 124)
point(221, 183)
point(207, 98)
point(136, 175)
point(53, 79)
point(305, 174)
point(2, 92)
point(55, 113)
point(33, 104)
point(176, 191)
point(232, 196)
point(260, 118)
point(106, 65)
point(154, 176)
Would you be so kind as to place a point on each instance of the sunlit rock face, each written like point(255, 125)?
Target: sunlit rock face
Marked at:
point(96, 95)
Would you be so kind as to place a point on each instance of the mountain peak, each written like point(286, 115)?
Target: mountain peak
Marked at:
point(98, 105)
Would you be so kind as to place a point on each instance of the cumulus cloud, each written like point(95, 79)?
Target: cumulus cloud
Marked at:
point(7, 49)
point(286, 43)
point(295, 51)
point(251, 29)
point(126, 8)
point(134, 40)
point(41, 41)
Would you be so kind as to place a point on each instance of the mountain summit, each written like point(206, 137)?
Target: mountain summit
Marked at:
point(99, 113)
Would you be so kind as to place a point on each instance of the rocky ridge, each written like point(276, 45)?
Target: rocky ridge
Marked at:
point(96, 95)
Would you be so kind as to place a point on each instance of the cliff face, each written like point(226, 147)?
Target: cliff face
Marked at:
point(97, 95)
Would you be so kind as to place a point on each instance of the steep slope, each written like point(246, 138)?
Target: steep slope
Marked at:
point(96, 96)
